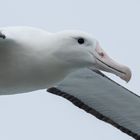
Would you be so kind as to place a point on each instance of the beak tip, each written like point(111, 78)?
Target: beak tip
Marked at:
point(105, 63)
point(127, 76)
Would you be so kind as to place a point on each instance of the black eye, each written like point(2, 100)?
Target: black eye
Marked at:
point(81, 40)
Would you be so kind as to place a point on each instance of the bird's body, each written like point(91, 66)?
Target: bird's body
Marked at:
point(26, 62)
point(32, 58)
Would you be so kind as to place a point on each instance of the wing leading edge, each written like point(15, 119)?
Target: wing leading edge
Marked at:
point(105, 99)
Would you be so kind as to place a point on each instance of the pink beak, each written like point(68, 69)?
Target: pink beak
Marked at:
point(105, 63)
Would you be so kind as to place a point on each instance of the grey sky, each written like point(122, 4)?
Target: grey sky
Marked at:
point(40, 115)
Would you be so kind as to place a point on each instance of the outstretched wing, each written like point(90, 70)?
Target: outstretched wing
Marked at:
point(100, 96)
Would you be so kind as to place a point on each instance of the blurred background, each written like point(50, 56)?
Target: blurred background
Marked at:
point(40, 115)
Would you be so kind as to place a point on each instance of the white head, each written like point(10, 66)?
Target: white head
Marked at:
point(79, 50)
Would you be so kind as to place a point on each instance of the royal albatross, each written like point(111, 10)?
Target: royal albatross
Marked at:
point(32, 58)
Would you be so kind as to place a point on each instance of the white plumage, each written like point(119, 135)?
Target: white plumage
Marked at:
point(32, 58)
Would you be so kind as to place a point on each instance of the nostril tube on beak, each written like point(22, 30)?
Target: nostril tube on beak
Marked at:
point(101, 54)
point(99, 50)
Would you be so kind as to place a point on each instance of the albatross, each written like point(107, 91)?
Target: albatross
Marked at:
point(33, 59)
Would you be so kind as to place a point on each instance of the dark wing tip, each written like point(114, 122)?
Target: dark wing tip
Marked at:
point(2, 35)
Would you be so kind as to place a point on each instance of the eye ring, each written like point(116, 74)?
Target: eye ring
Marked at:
point(81, 41)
